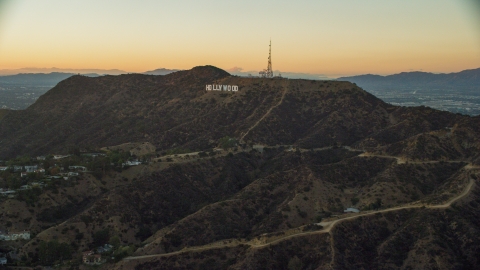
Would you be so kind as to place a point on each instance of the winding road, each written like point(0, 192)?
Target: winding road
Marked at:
point(327, 227)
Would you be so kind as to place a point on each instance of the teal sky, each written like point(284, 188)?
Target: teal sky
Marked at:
point(331, 37)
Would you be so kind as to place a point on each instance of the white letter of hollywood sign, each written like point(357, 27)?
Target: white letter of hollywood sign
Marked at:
point(217, 87)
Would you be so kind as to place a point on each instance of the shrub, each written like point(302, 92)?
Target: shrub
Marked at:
point(101, 237)
point(227, 142)
point(143, 233)
point(51, 251)
point(354, 200)
point(79, 236)
point(301, 213)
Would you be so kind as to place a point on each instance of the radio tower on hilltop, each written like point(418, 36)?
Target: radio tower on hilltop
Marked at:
point(268, 73)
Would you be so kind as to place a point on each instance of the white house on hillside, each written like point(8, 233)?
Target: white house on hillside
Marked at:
point(133, 163)
point(30, 169)
point(12, 236)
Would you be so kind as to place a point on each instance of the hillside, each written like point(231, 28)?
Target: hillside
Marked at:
point(3, 112)
point(175, 111)
point(242, 180)
point(246, 199)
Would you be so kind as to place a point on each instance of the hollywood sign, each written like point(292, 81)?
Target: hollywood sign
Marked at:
point(217, 87)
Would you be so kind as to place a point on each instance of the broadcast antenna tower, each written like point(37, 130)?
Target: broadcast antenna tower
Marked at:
point(268, 73)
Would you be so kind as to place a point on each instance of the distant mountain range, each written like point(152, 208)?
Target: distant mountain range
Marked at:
point(463, 79)
point(38, 79)
point(7, 72)
point(160, 71)
point(56, 74)
point(52, 78)
point(467, 79)
point(455, 92)
point(4, 72)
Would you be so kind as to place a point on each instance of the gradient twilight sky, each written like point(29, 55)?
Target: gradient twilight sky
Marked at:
point(331, 37)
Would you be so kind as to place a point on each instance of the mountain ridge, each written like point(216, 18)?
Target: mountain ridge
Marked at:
point(175, 110)
point(465, 78)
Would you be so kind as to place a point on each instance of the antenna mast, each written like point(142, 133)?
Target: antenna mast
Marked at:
point(268, 73)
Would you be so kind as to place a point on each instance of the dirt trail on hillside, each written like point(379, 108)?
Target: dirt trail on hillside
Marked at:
point(403, 160)
point(327, 228)
point(327, 225)
point(285, 89)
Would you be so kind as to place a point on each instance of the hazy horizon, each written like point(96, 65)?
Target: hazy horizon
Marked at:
point(328, 38)
point(233, 71)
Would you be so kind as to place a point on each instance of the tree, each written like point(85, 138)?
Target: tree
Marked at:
point(115, 241)
point(20, 161)
point(14, 182)
point(54, 171)
point(227, 142)
point(295, 264)
point(123, 252)
point(79, 236)
point(101, 237)
point(143, 233)
point(354, 200)
point(51, 251)
point(377, 204)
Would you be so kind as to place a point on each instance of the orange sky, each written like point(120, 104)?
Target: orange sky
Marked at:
point(331, 37)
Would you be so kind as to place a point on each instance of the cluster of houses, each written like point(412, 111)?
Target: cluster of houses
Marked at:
point(94, 258)
point(72, 172)
point(10, 193)
point(24, 170)
point(12, 236)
